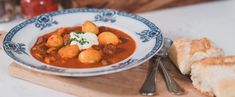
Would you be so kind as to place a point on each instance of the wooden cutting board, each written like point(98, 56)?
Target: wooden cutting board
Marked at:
point(122, 84)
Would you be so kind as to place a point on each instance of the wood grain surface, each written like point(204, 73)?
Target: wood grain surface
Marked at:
point(2, 34)
point(131, 5)
point(121, 84)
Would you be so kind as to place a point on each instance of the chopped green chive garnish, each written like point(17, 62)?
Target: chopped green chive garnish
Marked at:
point(83, 41)
point(79, 32)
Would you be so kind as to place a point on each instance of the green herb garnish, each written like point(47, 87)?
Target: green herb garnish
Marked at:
point(73, 39)
point(83, 41)
point(79, 32)
point(79, 38)
point(77, 35)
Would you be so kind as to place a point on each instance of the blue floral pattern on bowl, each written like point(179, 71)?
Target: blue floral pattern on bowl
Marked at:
point(106, 16)
point(121, 65)
point(18, 48)
point(44, 21)
point(51, 69)
point(146, 35)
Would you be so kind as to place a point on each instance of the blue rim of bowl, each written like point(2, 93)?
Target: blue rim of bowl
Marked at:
point(124, 66)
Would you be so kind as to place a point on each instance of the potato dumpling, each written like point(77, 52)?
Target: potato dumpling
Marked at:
point(108, 38)
point(88, 26)
point(89, 56)
point(54, 41)
point(60, 31)
point(69, 51)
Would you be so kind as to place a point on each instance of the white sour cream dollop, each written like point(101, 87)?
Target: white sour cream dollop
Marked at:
point(83, 40)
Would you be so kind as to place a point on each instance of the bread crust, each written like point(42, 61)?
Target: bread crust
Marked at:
point(226, 60)
point(184, 52)
point(215, 76)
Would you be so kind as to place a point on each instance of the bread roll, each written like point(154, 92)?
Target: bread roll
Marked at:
point(184, 52)
point(215, 76)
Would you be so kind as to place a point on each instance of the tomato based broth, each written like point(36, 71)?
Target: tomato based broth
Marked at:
point(124, 50)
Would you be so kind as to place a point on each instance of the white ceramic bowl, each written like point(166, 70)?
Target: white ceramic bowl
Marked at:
point(19, 40)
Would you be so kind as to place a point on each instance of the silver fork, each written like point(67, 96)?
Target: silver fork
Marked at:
point(172, 86)
point(149, 86)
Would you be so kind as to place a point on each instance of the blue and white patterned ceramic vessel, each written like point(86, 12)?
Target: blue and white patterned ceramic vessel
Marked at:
point(19, 40)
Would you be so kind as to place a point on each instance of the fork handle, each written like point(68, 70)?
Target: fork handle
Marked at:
point(172, 86)
point(149, 86)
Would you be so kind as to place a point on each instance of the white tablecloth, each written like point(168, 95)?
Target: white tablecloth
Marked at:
point(213, 17)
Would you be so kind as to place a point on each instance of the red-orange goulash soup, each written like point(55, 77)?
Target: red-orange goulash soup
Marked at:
point(85, 46)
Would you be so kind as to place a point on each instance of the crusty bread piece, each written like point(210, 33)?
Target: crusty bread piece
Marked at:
point(215, 76)
point(184, 52)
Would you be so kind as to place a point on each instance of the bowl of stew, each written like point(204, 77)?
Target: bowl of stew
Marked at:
point(83, 42)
